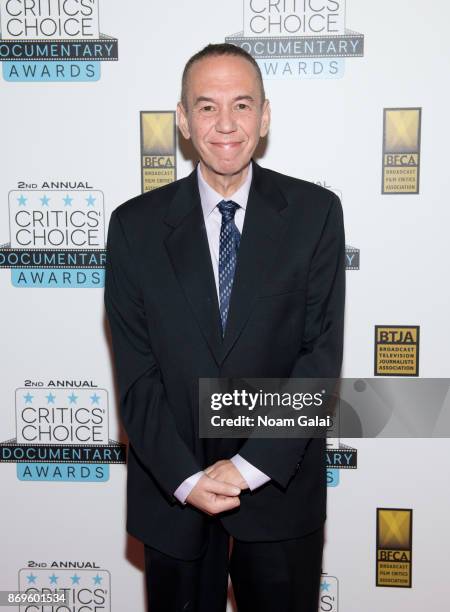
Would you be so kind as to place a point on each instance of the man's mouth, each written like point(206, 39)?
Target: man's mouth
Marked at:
point(226, 145)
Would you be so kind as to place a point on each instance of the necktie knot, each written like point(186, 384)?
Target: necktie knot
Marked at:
point(227, 209)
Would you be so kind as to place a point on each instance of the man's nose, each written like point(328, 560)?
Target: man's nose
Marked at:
point(225, 121)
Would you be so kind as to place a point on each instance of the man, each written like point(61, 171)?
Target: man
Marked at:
point(233, 271)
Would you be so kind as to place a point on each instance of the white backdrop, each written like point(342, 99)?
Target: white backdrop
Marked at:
point(323, 129)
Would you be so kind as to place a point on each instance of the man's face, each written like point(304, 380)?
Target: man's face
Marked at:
point(225, 116)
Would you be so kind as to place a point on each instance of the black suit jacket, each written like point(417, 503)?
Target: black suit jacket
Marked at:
point(285, 320)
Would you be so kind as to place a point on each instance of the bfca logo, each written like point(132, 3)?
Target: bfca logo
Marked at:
point(298, 38)
point(53, 40)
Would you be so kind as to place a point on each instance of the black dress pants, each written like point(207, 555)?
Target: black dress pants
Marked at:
point(279, 576)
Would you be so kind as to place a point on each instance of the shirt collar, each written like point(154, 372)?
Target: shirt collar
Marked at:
point(209, 197)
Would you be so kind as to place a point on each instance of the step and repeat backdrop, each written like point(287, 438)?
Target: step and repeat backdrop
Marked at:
point(360, 103)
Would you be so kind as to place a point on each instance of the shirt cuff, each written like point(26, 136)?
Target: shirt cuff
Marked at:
point(254, 477)
point(186, 487)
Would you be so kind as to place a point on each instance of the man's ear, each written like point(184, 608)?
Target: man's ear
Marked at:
point(182, 121)
point(265, 119)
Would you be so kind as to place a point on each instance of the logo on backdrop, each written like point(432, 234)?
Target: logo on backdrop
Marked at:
point(397, 350)
point(85, 585)
point(339, 457)
point(394, 547)
point(57, 236)
point(401, 150)
point(329, 595)
point(158, 149)
point(62, 433)
point(326, 185)
point(53, 41)
point(300, 40)
point(351, 258)
point(352, 254)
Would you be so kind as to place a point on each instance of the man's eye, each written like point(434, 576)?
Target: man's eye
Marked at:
point(242, 106)
point(207, 108)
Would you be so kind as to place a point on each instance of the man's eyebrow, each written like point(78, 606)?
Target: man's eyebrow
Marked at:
point(244, 97)
point(203, 99)
point(236, 99)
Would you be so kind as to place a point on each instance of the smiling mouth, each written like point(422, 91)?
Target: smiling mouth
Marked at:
point(226, 145)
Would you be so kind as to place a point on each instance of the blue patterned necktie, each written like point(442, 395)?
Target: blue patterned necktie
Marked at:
point(229, 245)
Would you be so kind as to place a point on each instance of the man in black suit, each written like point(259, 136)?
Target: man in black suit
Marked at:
point(234, 271)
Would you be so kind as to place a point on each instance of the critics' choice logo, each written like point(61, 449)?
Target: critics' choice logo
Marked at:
point(62, 434)
point(298, 38)
point(352, 254)
point(85, 585)
point(397, 350)
point(352, 258)
point(338, 457)
point(326, 185)
point(401, 150)
point(328, 598)
point(394, 547)
point(158, 149)
point(57, 238)
point(53, 40)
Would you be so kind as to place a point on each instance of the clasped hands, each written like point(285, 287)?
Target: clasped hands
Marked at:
point(218, 489)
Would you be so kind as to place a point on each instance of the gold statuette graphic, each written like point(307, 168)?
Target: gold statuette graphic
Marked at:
point(397, 350)
point(158, 149)
point(401, 150)
point(394, 547)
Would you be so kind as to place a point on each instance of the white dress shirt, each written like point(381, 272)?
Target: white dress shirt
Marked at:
point(213, 220)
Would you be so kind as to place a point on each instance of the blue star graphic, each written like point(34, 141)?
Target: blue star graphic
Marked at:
point(95, 398)
point(72, 398)
point(50, 398)
point(22, 200)
point(28, 397)
point(90, 200)
point(45, 200)
point(324, 586)
point(68, 200)
point(97, 579)
point(75, 579)
point(53, 578)
point(31, 578)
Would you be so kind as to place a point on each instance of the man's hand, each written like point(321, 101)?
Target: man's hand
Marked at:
point(226, 471)
point(212, 496)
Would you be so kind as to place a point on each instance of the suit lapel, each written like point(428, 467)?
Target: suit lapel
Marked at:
point(259, 245)
point(188, 249)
